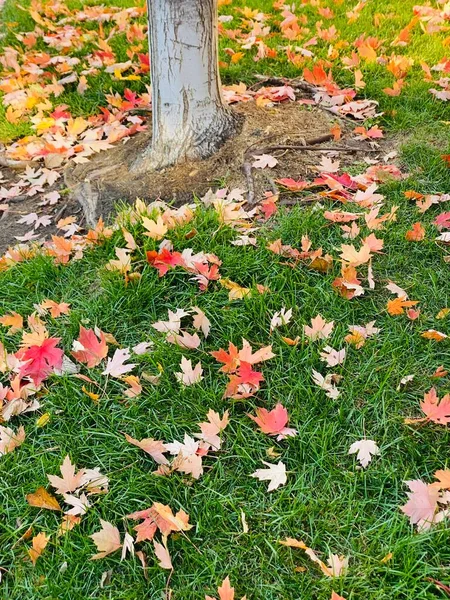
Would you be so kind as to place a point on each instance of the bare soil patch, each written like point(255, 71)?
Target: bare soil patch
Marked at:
point(97, 185)
point(92, 189)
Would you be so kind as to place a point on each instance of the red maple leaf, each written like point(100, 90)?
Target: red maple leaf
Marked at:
point(165, 260)
point(94, 349)
point(247, 375)
point(41, 360)
point(442, 221)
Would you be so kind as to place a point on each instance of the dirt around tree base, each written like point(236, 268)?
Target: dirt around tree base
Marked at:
point(106, 179)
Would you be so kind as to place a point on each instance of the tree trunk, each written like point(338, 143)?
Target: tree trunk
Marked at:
point(190, 119)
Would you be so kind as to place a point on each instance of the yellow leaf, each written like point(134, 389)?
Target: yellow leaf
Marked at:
point(236, 291)
point(43, 420)
point(39, 543)
point(76, 126)
point(42, 499)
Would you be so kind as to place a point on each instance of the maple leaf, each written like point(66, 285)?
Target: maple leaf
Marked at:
point(201, 321)
point(189, 375)
point(275, 474)
point(79, 504)
point(107, 540)
point(153, 447)
point(39, 542)
point(184, 340)
point(70, 480)
point(328, 166)
point(319, 330)
point(155, 229)
point(263, 161)
point(67, 524)
point(225, 591)
point(332, 357)
point(416, 233)
point(13, 320)
point(396, 289)
point(340, 217)
point(422, 503)
point(229, 359)
point(365, 449)
point(261, 355)
point(236, 292)
point(40, 361)
point(396, 306)
point(159, 516)
point(38, 332)
point(10, 440)
point(444, 479)
point(281, 317)
point(135, 386)
point(442, 221)
point(292, 184)
point(173, 324)
point(43, 499)
point(123, 262)
point(90, 347)
point(432, 334)
point(211, 428)
point(116, 365)
point(164, 260)
point(326, 384)
point(273, 422)
point(56, 309)
point(438, 412)
point(354, 257)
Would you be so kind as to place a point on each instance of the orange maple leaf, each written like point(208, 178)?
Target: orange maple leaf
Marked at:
point(396, 306)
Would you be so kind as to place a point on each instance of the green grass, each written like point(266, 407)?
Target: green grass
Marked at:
point(328, 502)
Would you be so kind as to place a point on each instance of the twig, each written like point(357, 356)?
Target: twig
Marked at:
point(14, 164)
point(247, 169)
point(272, 184)
point(306, 144)
point(338, 115)
point(314, 149)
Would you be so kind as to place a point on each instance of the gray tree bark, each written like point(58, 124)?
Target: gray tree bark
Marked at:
point(190, 119)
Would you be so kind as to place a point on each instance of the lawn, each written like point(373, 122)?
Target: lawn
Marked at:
point(329, 501)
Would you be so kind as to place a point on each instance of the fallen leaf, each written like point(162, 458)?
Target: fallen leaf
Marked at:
point(10, 440)
point(162, 554)
point(365, 449)
point(90, 348)
point(116, 365)
point(416, 233)
point(153, 447)
point(107, 540)
point(42, 499)
point(319, 330)
point(262, 161)
point(70, 481)
point(39, 542)
point(13, 320)
point(188, 375)
point(337, 565)
point(273, 422)
point(275, 474)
